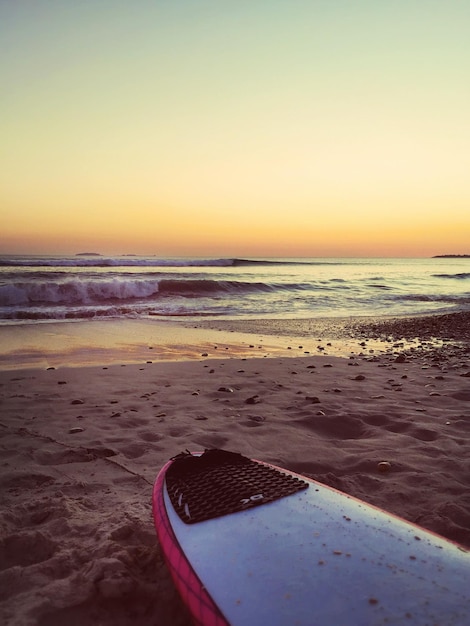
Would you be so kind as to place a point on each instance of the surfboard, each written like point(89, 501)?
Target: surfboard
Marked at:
point(248, 544)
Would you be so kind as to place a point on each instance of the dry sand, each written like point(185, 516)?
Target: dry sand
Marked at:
point(80, 448)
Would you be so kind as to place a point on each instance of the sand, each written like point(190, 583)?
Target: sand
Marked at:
point(81, 446)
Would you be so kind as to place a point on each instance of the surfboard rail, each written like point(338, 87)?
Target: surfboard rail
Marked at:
point(203, 610)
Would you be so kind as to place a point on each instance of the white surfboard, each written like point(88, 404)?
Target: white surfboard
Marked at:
point(307, 557)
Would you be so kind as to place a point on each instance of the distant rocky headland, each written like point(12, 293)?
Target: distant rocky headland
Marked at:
point(88, 254)
point(451, 256)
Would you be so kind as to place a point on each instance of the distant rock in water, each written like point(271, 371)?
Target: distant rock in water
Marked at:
point(88, 254)
point(451, 256)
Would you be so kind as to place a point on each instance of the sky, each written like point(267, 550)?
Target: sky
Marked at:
point(223, 127)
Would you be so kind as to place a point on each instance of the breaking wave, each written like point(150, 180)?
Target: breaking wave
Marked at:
point(76, 291)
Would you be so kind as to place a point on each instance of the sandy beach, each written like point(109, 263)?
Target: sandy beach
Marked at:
point(84, 431)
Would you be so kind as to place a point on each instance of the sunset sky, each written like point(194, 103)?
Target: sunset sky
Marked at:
point(223, 127)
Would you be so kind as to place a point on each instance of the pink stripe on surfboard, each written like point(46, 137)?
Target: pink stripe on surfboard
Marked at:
point(201, 606)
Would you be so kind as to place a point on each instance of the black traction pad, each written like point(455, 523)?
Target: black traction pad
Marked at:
point(219, 482)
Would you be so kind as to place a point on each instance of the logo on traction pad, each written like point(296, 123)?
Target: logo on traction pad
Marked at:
point(251, 499)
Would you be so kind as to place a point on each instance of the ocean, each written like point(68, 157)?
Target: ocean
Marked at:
point(41, 289)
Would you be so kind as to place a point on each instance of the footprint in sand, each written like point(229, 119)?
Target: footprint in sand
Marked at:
point(423, 434)
point(134, 450)
point(337, 427)
point(150, 436)
point(26, 548)
point(63, 457)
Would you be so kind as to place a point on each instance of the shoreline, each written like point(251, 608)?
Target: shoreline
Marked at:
point(104, 342)
point(80, 447)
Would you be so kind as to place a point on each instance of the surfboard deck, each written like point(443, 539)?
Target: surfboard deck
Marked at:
point(310, 555)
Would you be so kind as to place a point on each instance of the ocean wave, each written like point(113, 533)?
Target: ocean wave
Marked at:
point(94, 261)
point(463, 299)
point(459, 276)
point(76, 291)
point(134, 261)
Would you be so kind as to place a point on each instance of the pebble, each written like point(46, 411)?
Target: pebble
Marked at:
point(76, 429)
point(313, 399)
point(257, 418)
point(384, 466)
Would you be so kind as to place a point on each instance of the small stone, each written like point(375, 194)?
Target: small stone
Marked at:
point(401, 358)
point(256, 418)
point(384, 466)
point(226, 389)
point(253, 400)
point(359, 377)
point(204, 354)
point(76, 429)
point(77, 402)
point(313, 399)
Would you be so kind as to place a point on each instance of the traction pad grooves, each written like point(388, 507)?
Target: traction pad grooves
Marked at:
point(219, 483)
